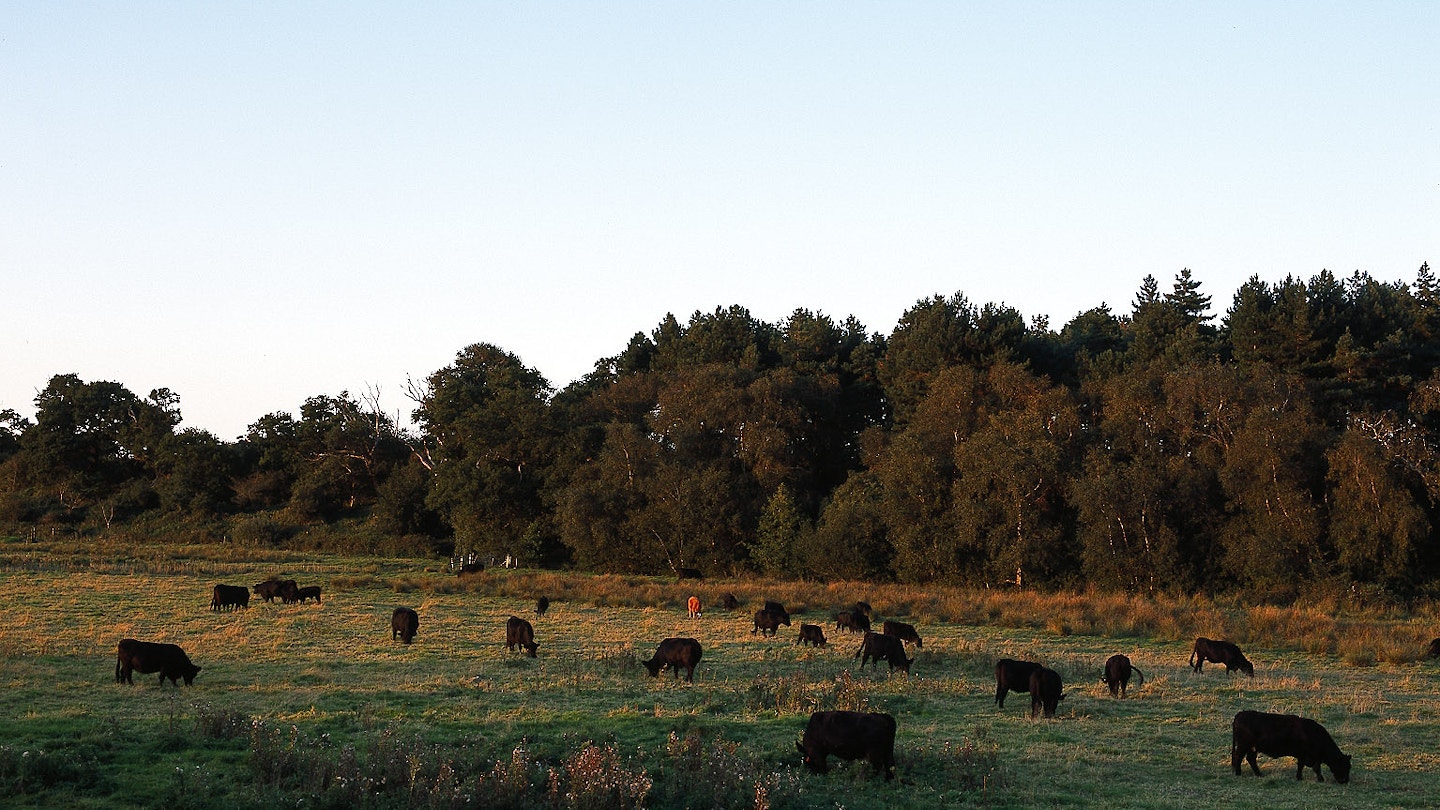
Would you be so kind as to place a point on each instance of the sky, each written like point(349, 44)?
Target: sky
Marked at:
point(255, 203)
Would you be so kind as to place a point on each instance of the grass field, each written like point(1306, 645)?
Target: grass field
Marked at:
point(315, 706)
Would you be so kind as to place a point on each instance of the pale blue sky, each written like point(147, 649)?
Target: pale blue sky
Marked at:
point(254, 203)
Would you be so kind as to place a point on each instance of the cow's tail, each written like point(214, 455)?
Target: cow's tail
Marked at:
point(117, 669)
point(1192, 656)
point(1141, 674)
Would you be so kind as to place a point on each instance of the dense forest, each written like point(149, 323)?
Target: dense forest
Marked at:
point(1292, 443)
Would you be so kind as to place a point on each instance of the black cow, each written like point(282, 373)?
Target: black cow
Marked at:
point(308, 592)
point(689, 573)
point(469, 568)
point(812, 634)
point(849, 735)
point(879, 647)
point(1117, 675)
point(267, 590)
point(1434, 650)
point(675, 653)
point(774, 607)
point(1012, 676)
point(289, 591)
point(1286, 735)
point(862, 607)
point(729, 602)
point(520, 633)
point(1045, 691)
point(146, 657)
point(852, 622)
point(1220, 652)
point(403, 624)
point(229, 596)
point(766, 620)
point(541, 605)
point(902, 631)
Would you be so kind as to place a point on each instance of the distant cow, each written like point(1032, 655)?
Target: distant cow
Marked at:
point(849, 735)
point(229, 596)
point(862, 607)
point(902, 631)
point(1045, 691)
point(852, 622)
point(1434, 650)
point(469, 568)
point(811, 634)
point(692, 606)
point(541, 605)
point(267, 590)
point(1117, 675)
point(767, 621)
point(1012, 676)
point(879, 647)
point(1286, 735)
point(146, 657)
point(308, 592)
point(675, 653)
point(520, 633)
point(1220, 652)
point(689, 573)
point(289, 591)
point(403, 624)
point(729, 602)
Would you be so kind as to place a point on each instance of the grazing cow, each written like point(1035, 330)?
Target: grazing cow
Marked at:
point(688, 573)
point(146, 657)
point(902, 631)
point(1117, 674)
point(1220, 652)
point(541, 605)
point(862, 607)
point(729, 602)
point(812, 634)
point(308, 592)
point(852, 622)
point(469, 568)
point(1286, 735)
point(520, 633)
point(849, 735)
point(1045, 691)
point(289, 591)
point(774, 607)
point(1012, 676)
point(267, 590)
point(879, 647)
point(403, 624)
point(766, 620)
point(692, 605)
point(675, 653)
point(1434, 650)
point(229, 596)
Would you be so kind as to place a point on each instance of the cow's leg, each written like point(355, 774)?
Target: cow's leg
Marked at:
point(1254, 766)
point(1236, 757)
point(1000, 692)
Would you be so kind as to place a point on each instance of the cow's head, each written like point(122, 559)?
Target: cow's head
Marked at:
point(190, 673)
point(1246, 667)
point(814, 763)
point(1341, 769)
point(653, 666)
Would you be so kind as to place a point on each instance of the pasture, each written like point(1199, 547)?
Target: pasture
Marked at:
point(314, 705)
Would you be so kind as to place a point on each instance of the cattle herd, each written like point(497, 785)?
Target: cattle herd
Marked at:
point(843, 734)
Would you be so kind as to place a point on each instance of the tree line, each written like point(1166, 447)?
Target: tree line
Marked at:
point(1292, 441)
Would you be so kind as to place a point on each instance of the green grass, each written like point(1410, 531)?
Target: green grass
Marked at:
point(302, 702)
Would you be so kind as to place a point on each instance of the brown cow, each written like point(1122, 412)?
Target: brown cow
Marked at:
point(849, 735)
point(146, 657)
point(675, 653)
point(1117, 675)
point(403, 624)
point(811, 634)
point(229, 596)
point(521, 633)
point(768, 622)
point(879, 647)
point(1434, 650)
point(852, 622)
point(1286, 735)
point(902, 631)
point(1220, 652)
